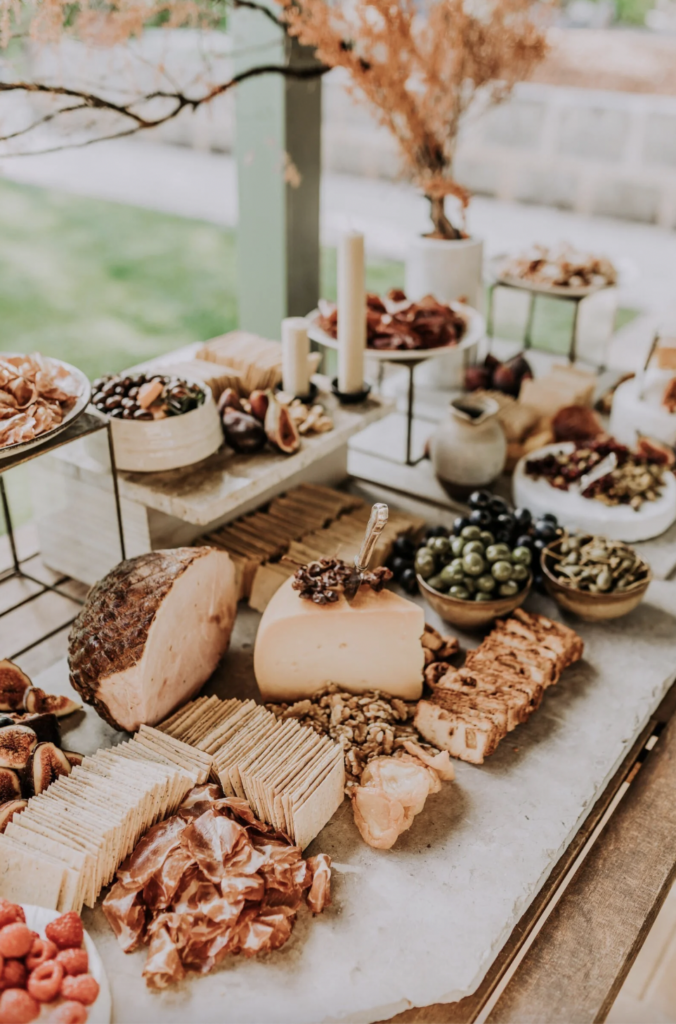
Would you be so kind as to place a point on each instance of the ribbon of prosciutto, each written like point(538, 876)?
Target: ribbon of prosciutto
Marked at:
point(209, 881)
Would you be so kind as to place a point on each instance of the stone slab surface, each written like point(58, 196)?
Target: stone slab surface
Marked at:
point(422, 923)
point(213, 488)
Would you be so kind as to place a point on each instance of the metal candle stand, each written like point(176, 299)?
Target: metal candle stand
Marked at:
point(534, 293)
point(89, 422)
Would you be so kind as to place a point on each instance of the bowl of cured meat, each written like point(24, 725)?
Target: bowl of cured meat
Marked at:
point(400, 329)
point(556, 270)
point(39, 397)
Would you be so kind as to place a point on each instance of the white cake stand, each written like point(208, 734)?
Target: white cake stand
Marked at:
point(586, 515)
point(412, 357)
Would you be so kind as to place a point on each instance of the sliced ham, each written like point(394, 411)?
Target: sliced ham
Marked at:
point(151, 633)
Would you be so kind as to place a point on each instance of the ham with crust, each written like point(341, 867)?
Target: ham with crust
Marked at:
point(151, 633)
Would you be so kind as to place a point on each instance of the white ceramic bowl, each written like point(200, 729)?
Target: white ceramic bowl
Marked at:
point(154, 446)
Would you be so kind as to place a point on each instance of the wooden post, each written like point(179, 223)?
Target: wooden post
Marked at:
point(278, 125)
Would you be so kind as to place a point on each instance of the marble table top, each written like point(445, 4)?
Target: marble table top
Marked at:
point(421, 923)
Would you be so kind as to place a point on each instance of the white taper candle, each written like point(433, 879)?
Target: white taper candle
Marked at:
point(295, 353)
point(351, 312)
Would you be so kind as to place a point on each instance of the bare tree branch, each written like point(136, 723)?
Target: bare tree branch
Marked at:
point(93, 101)
point(252, 5)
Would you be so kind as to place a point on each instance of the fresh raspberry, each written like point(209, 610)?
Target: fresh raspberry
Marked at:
point(17, 1007)
point(41, 951)
point(15, 939)
point(83, 988)
point(69, 1013)
point(74, 961)
point(44, 984)
point(10, 912)
point(14, 975)
point(67, 931)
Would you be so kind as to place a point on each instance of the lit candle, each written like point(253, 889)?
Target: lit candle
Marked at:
point(295, 353)
point(351, 312)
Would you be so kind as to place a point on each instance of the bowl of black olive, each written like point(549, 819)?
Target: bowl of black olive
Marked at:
point(158, 421)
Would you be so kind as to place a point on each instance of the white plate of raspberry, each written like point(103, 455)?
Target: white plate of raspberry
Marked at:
point(42, 976)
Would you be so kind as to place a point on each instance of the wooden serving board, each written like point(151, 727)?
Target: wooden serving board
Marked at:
point(423, 922)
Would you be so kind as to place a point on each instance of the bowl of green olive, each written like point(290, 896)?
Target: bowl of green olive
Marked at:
point(593, 577)
point(470, 579)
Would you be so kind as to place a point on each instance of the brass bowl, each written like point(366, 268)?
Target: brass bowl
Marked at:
point(594, 607)
point(471, 614)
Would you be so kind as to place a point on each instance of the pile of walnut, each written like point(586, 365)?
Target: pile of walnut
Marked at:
point(374, 724)
point(30, 743)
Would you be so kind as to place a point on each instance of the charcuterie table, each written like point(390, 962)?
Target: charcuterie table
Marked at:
point(427, 930)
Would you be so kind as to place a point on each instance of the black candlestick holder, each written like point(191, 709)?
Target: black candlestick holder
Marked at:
point(350, 397)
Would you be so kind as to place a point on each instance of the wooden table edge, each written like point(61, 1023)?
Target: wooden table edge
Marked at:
point(466, 1010)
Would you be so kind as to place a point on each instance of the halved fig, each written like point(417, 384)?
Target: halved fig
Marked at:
point(74, 759)
point(10, 787)
point(9, 809)
point(17, 743)
point(13, 685)
point(48, 764)
point(280, 428)
point(45, 727)
point(38, 702)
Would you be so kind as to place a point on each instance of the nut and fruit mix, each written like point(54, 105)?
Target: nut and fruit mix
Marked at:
point(638, 476)
point(141, 396)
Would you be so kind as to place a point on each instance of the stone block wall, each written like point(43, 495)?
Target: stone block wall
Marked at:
point(594, 152)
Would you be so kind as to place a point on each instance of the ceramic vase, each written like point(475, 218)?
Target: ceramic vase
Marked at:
point(468, 449)
point(450, 270)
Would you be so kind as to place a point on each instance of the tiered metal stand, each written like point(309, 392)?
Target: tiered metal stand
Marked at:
point(89, 422)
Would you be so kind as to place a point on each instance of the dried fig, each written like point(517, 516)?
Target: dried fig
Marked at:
point(280, 428)
point(74, 759)
point(48, 763)
point(477, 378)
point(243, 432)
point(13, 685)
point(17, 743)
point(259, 402)
point(45, 727)
point(229, 400)
point(10, 787)
point(38, 702)
point(9, 809)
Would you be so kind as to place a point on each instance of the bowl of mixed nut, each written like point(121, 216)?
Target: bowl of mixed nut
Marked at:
point(158, 421)
point(594, 577)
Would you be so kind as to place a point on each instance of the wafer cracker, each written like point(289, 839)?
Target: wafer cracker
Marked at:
point(27, 876)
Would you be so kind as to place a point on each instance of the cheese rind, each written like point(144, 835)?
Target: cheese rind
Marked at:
point(371, 644)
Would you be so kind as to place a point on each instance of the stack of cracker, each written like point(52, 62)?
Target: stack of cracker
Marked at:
point(257, 360)
point(341, 539)
point(291, 777)
point(70, 840)
point(307, 523)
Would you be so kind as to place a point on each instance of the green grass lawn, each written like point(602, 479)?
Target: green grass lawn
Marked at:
point(105, 286)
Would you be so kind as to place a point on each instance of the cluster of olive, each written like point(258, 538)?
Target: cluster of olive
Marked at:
point(472, 566)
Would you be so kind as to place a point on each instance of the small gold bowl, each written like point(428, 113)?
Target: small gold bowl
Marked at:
point(589, 605)
point(471, 614)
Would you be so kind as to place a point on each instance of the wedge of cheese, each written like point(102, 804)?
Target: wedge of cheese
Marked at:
point(371, 644)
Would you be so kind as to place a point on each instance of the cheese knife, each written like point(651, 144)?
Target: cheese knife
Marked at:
point(604, 467)
point(375, 526)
